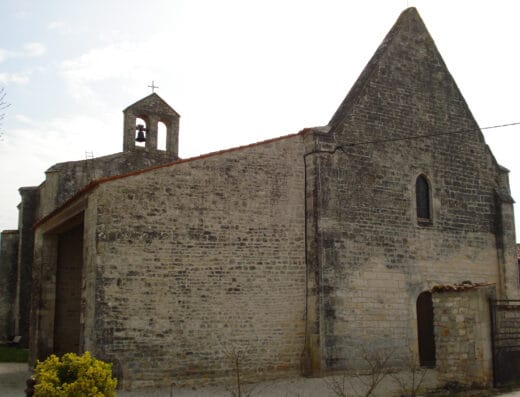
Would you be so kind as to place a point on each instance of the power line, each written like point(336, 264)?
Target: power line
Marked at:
point(429, 135)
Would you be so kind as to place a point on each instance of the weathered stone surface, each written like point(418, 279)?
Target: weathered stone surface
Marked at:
point(463, 336)
point(306, 246)
point(27, 211)
point(202, 258)
point(369, 258)
point(152, 110)
point(8, 272)
point(63, 180)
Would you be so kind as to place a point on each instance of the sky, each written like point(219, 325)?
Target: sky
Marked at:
point(237, 71)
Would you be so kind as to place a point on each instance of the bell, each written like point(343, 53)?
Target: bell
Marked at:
point(140, 137)
point(140, 133)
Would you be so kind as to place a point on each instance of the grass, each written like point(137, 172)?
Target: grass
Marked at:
point(13, 354)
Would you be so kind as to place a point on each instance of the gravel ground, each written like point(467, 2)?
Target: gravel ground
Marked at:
point(12, 379)
point(14, 375)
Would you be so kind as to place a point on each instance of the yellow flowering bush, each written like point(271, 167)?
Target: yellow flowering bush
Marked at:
point(73, 375)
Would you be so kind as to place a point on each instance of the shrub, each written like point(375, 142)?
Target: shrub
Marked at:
point(73, 375)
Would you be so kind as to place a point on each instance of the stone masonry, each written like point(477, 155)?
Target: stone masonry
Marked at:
point(9, 249)
point(302, 252)
point(63, 180)
point(216, 258)
point(463, 335)
point(369, 257)
point(211, 261)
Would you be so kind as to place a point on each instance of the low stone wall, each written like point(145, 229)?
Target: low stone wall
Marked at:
point(462, 327)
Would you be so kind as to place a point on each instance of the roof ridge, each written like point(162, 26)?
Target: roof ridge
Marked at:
point(96, 182)
point(357, 88)
point(153, 94)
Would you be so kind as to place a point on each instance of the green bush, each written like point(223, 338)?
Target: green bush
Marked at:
point(73, 375)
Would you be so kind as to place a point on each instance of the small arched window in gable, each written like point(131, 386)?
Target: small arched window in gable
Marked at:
point(422, 200)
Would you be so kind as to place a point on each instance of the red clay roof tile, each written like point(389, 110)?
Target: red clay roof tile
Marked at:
point(92, 185)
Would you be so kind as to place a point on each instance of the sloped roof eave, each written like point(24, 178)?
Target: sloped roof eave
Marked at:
point(92, 185)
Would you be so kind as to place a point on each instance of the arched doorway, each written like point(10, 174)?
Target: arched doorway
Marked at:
point(425, 334)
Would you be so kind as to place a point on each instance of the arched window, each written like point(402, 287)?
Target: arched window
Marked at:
point(422, 199)
point(425, 334)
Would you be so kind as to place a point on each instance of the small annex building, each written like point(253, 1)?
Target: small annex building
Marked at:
point(388, 228)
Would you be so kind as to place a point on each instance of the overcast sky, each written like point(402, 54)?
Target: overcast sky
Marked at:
point(237, 71)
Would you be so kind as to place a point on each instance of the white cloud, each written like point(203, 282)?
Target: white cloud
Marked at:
point(61, 27)
point(21, 14)
point(124, 63)
point(29, 50)
point(56, 140)
point(14, 78)
point(33, 49)
point(96, 65)
point(24, 119)
point(55, 25)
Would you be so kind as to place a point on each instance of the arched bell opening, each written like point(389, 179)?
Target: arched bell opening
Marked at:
point(162, 133)
point(141, 128)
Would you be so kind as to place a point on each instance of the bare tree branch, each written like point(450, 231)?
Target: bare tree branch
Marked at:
point(3, 105)
point(338, 385)
point(411, 380)
point(377, 369)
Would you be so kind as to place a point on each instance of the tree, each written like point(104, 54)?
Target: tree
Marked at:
point(376, 370)
point(3, 105)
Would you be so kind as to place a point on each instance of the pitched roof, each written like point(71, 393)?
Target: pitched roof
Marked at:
point(153, 102)
point(464, 286)
point(352, 96)
point(407, 64)
point(95, 183)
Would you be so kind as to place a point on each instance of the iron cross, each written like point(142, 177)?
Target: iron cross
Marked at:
point(153, 86)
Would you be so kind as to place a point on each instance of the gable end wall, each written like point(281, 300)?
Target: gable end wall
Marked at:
point(201, 258)
point(373, 257)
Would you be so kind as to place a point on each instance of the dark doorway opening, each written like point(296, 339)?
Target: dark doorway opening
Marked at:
point(425, 334)
point(505, 341)
point(68, 291)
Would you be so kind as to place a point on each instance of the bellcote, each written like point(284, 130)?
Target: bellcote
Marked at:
point(148, 113)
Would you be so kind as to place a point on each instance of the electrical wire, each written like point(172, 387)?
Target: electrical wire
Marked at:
point(428, 135)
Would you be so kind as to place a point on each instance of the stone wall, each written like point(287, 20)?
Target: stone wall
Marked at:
point(28, 209)
point(8, 271)
point(309, 243)
point(462, 327)
point(152, 110)
point(63, 180)
point(369, 257)
point(202, 258)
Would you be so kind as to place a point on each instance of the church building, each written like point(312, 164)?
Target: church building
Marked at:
point(390, 228)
